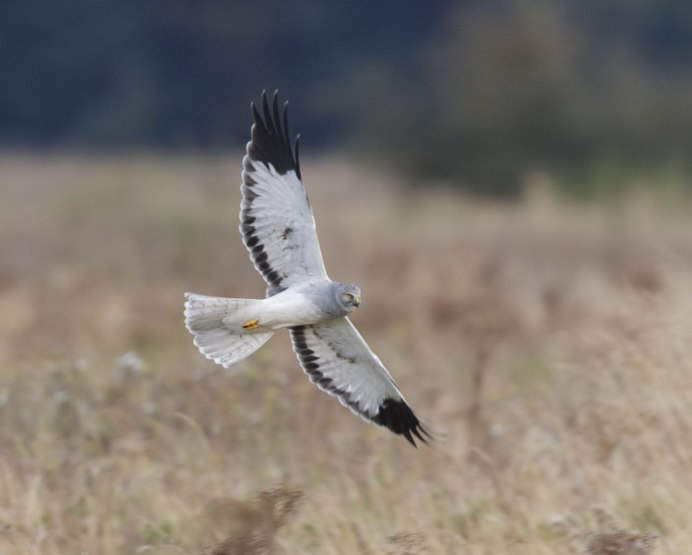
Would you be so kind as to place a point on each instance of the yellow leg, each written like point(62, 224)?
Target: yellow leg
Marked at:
point(250, 324)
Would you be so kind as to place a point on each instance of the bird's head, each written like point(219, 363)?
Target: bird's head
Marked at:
point(347, 297)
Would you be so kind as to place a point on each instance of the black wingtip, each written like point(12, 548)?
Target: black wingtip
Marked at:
point(297, 153)
point(398, 417)
point(270, 142)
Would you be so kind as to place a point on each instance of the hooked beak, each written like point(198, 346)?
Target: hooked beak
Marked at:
point(356, 300)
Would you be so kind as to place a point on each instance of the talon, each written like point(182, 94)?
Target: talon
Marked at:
point(250, 324)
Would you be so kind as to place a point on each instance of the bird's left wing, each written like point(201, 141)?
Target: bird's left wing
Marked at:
point(336, 359)
point(276, 220)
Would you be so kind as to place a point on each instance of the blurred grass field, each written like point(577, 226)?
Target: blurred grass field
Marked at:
point(549, 343)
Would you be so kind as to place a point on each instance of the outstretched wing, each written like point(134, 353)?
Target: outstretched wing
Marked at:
point(276, 220)
point(336, 358)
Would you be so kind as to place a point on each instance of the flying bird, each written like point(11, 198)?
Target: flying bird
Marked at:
point(278, 229)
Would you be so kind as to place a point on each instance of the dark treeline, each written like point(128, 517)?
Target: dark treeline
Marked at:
point(182, 73)
point(481, 92)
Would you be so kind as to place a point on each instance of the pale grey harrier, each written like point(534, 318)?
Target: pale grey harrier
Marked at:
point(278, 229)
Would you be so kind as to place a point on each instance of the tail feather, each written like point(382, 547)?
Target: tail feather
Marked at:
point(207, 319)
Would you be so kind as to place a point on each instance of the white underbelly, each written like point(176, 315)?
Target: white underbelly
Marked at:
point(288, 309)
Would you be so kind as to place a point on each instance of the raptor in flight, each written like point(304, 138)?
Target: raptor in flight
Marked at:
point(278, 229)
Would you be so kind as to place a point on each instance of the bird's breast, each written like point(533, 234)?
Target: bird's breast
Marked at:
point(290, 308)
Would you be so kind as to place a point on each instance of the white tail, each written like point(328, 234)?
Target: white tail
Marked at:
point(208, 319)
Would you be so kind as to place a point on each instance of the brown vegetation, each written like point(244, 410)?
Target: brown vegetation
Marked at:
point(550, 345)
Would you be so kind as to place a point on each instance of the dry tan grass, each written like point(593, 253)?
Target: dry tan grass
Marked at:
point(551, 345)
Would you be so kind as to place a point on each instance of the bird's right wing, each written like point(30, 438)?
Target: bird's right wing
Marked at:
point(276, 220)
point(336, 359)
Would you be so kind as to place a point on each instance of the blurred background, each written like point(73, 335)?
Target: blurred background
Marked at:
point(508, 183)
point(476, 93)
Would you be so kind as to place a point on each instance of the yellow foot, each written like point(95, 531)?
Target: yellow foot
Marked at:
point(250, 324)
